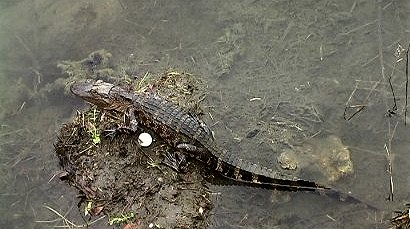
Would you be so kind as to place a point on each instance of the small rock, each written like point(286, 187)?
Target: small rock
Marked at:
point(287, 160)
point(334, 158)
point(252, 133)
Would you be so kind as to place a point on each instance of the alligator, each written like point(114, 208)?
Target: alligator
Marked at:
point(187, 133)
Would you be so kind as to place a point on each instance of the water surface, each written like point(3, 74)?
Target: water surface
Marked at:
point(263, 61)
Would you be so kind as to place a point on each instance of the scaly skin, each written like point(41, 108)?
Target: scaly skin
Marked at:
point(186, 132)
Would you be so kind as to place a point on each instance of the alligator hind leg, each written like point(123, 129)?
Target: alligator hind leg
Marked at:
point(176, 160)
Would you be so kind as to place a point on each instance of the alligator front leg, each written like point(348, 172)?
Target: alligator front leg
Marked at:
point(133, 122)
point(190, 148)
point(130, 124)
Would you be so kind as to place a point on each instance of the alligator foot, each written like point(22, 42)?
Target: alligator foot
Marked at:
point(130, 126)
point(176, 160)
point(118, 129)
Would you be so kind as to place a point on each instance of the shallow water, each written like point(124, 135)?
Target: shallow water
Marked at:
point(263, 61)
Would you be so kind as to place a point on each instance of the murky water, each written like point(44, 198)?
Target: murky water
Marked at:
point(264, 62)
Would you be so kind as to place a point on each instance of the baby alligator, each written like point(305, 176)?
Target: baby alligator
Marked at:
point(186, 132)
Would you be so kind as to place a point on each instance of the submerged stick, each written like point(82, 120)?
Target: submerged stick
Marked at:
point(407, 84)
point(390, 133)
point(390, 171)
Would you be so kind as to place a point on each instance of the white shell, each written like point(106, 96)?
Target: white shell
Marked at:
point(145, 139)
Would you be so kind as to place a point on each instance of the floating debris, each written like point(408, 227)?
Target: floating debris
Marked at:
point(287, 160)
point(402, 220)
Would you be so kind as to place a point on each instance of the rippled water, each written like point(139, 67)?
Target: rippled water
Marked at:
point(264, 62)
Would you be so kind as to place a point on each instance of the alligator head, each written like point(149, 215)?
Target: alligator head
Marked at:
point(96, 92)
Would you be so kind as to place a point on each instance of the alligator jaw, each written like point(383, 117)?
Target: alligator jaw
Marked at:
point(95, 92)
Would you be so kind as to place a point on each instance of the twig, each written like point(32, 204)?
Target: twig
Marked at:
point(68, 223)
point(358, 107)
point(359, 28)
point(390, 171)
point(392, 110)
point(84, 150)
point(390, 132)
point(379, 32)
point(122, 5)
point(369, 61)
point(407, 83)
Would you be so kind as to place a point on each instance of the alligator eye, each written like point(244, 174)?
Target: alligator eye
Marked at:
point(94, 92)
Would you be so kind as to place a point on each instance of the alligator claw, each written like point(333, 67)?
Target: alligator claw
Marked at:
point(175, 160)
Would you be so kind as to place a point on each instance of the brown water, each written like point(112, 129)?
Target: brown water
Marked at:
point(295, 57)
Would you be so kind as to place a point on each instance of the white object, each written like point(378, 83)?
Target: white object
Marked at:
point(145, 139)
